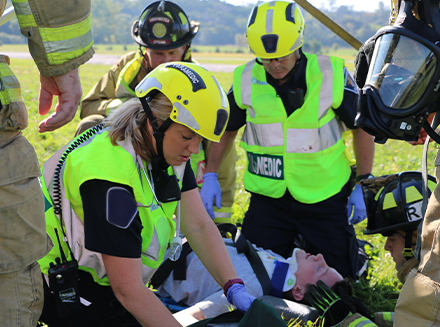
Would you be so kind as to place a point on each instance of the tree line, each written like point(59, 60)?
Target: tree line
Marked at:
point(220, 23)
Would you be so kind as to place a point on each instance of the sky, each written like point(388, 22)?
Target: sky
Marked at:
point(358, 5)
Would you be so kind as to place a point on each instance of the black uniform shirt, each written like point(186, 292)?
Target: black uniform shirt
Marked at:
point(297, 80)
point(103, 237)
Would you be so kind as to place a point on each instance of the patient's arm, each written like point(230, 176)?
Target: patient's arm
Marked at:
point(189, 316)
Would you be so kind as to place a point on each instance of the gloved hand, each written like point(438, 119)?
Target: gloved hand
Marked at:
point(210, 190)
point(356, 200)
point(238, 296)
point(332, 310)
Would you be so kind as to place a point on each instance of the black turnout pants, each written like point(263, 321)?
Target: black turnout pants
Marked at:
point(275, 223)
point(104, 310)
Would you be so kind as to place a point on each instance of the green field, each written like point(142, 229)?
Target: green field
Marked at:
point(231, 55)
point(381, 289)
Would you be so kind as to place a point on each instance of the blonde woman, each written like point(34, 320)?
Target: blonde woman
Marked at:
point(116, 190)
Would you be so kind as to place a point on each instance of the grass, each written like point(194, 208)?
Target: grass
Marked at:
point(231, 55)
point(381, 288)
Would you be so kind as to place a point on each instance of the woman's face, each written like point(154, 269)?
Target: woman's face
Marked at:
point(179, 144)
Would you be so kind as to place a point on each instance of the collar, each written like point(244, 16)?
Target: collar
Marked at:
point(281, 271)
point(403, 272)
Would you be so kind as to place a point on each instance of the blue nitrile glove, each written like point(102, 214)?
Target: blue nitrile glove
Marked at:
point(356, 200)
point(238, 296)
point(210, 190)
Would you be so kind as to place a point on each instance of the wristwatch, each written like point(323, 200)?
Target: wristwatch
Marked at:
point(231, 282)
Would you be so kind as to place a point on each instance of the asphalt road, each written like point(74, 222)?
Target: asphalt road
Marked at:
point(112, 59)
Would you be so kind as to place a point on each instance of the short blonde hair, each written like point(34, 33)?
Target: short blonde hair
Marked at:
point(129, 121)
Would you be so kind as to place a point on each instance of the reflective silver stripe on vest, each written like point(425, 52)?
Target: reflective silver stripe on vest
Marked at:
point(222, 214)
point(301, 140)
point(265, 135)
point(326, 93)
point(246, 86)
point(153, 249)
point(313, 140)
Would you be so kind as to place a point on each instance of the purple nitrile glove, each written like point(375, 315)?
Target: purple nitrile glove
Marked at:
point(356, 210)
point(238, 296)
point(210, 190)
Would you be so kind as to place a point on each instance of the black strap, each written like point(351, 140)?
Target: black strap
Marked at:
point(244, 246)
point(179, 272)
point(241, 244)
point(167, 267)
point(158, 131)
point(408, 252)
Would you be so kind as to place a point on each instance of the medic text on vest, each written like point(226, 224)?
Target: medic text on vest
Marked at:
point(266, 165)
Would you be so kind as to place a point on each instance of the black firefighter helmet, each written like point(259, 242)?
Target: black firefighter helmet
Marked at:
point(163, 25)
point(394, 202)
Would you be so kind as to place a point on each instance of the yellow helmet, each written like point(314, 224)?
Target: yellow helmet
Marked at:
point(394, 11)
point(199, 101)
point(275, 29)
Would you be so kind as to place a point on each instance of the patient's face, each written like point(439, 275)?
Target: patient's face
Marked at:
point(312, 268)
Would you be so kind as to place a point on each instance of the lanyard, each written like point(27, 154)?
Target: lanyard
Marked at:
point(176, 242)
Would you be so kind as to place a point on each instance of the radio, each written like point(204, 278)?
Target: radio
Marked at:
point(63, 277)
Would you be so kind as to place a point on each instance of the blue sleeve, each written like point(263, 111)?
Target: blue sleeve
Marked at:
point(237, 116)
point(347, 111)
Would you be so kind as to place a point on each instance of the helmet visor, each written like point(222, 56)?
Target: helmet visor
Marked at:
point(401, 70)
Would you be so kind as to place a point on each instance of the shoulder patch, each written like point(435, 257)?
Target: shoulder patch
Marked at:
point(349, 83)
point(121, 207)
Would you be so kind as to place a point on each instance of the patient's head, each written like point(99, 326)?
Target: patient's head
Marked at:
point(307, 269)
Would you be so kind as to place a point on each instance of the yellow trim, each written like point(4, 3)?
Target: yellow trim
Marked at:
point(389, 201)
point(69, 31)
point(412, 194)
point(62, 43)
point(431, 185)
point(24, 13)
point(223, 215)
point(10, 86)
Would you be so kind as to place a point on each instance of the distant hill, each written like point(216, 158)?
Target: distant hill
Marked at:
point(221, 23)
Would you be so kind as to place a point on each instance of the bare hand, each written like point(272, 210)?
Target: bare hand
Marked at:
point(423, 135)
point(68, 89)
point(422, 138)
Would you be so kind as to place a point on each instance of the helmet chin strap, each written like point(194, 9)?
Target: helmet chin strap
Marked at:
point(158, 131)
point(408, 251)
point(146, 67)
point(430, 130)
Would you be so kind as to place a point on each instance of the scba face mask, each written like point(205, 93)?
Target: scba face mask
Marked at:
point(403, 81)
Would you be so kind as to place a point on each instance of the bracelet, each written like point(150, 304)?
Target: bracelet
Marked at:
point(231, 282)
point(361, 177)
